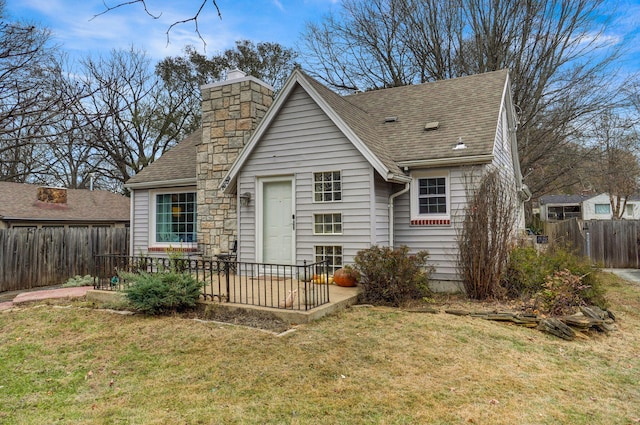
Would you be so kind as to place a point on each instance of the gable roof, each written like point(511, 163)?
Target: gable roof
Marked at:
point(563, 199)
point(578, 199)
point(466, 108)
point(82, 205)
point(176, 167)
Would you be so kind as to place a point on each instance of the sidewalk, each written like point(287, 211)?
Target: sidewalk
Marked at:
point(43, 294)
point(632, 275)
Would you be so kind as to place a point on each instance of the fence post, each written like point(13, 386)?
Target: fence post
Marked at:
point(587, 237)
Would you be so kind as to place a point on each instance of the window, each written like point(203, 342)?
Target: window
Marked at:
point(331, 253)
point(564, 212)
point(432, 196)
point(603, 208)
point(175, 217)
point(327, 186)
point(327, 224)
point(630, 210)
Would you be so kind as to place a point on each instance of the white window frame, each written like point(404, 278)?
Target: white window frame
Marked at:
point(313, 187)
point(630, 210)
point(153, 243)
point(332, 224)
point(595, 209)
point(334, 266)
point(415, 193)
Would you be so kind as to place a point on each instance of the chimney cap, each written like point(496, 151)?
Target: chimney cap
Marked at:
point(235, 74)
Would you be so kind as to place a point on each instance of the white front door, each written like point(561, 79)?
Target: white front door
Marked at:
point(278, 221)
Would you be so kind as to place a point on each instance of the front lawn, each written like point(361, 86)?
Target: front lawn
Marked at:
point(72, 365)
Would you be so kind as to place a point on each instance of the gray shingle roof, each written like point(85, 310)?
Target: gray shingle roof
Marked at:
point(20, 202)
point(466, 107)
point(177, 163)
point(563, 199)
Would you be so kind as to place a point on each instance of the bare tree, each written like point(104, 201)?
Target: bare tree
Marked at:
point(362, 48)
point(561, 63)
point(487, 233)
point(130, 117)
point(145, 4)
point(616, 166)
point(29, 101)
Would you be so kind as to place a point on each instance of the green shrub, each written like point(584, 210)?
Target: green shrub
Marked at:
point(163, 292)
point(392, 276)
point(78, 280)
point(527, 272)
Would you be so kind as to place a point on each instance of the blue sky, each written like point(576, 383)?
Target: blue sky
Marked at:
point(258, 20)
point(279, 21)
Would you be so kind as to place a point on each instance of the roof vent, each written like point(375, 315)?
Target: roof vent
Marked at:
point(433, 125)
point(459, 145)
point(390, 119)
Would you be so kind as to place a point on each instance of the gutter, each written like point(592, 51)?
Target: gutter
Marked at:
point(392, 197)
point(476, 159)
point(396, 178)
point(162, 183)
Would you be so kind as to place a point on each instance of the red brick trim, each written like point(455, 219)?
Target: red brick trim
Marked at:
point(429, 222)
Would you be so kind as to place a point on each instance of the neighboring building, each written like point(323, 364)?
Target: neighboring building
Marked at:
point(26, 205)
point(599, 208)
point(584, 207)
point(561, 207)
point(320, 176)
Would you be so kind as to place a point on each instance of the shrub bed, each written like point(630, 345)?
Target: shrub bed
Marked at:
point(392, 277)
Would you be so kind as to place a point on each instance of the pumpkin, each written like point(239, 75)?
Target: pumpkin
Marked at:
point(342, 277)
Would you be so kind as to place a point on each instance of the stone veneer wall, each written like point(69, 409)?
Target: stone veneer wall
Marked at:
point(231, 110)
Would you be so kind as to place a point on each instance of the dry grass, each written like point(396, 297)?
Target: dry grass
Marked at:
point(366, 365)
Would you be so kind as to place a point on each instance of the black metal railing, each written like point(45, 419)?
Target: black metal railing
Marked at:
point(294, 287)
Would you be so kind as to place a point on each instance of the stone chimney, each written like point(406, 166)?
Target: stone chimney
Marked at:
point(231, 110)
point(52, 195)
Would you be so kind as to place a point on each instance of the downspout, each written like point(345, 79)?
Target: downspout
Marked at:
point(132, 226)
point(393, 196)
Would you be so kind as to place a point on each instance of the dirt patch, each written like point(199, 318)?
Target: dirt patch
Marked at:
point(243, 317)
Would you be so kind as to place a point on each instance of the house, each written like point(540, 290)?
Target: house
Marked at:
point(585, 207)
point(561, 207)
point(27, 205)
point(313, 175)
point(599, 208)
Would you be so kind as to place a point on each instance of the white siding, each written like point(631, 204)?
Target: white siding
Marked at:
point(589, 208)
point(300, 141)
point(503, 161)
point(382, 192)
point(140, 224)
point(439, 240)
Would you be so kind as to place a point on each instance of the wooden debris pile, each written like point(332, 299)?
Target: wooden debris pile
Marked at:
point(565, 327)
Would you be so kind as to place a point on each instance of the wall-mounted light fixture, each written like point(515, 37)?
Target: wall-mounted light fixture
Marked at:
point(245, 198)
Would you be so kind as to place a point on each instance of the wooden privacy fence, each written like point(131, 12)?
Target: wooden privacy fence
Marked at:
point(609, 243)
point(31, 258)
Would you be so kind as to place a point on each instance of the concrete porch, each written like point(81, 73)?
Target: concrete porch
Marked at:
point(339, 299)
